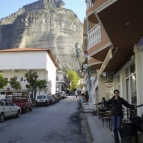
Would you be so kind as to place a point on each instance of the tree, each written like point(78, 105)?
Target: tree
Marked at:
point(41, 84)
point(31, 79)
point(73, 79)
point(3, 81)
point(15, 84)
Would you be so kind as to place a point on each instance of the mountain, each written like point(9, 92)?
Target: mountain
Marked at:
point(45, 24)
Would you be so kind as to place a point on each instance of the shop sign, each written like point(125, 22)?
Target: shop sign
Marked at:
point(109, 85)
point(140, 44)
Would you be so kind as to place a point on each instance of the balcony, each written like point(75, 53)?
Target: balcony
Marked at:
point(94, 36)
point(93, 63)
point(89, 12)
point(98, 43)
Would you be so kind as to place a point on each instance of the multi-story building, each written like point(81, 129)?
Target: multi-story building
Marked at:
point(114, 29)
point(18, 61)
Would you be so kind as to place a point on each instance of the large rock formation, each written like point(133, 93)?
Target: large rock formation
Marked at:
point(45, 24)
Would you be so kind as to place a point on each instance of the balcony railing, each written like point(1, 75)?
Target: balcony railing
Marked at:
point(88, 4)
point(94, 36)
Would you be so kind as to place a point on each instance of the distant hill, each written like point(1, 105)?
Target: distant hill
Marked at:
point(44, 24)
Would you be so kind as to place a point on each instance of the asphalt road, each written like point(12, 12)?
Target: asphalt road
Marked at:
point(59, 123)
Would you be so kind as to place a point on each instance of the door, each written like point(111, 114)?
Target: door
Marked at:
point(5, 108)
point(11, 108)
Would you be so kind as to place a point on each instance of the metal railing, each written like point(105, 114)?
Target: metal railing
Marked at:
point(94, 36)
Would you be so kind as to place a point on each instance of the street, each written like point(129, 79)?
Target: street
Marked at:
point(59, 123)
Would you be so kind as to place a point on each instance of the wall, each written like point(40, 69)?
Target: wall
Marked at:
point(22, 60)
point(36, 61)
point(139, 78)
point(51, 74)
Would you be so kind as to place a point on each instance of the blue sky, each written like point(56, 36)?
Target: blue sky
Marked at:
point(10, 6)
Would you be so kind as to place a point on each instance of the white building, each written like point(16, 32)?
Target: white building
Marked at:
point(59, 80)
point(18, 61)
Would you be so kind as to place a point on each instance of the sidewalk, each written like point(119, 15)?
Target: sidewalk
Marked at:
point(99, 133)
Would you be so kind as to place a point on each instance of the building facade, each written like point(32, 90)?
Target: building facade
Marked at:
point(17, 62)
point(114, 46)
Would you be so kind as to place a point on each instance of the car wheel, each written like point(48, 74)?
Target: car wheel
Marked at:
point(24, 111)
point(1, 117)
point(30, 109)
point(17, 115)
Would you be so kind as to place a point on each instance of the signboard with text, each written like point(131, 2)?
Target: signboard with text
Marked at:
point(140, 44)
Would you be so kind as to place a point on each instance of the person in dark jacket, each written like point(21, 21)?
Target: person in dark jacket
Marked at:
point(115, 104)
point(86, 96)
point(103, 103)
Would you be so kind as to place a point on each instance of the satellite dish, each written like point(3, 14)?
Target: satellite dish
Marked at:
point(85, 66)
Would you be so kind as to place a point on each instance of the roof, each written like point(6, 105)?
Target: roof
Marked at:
point(32, 49)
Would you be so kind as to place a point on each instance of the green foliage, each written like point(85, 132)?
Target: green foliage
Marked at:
point(31, 79)
point(41, 84)
point(3, 81)
point(15, 84)
point(73, 79)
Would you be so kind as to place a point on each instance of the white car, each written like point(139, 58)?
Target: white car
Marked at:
point(42, 100)
point(63, 94)
point(7, 109)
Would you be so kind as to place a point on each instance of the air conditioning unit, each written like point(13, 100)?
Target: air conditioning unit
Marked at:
point(109, 76)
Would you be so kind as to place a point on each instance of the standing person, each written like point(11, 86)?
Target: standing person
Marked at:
point(86, 96)
point(116, 103)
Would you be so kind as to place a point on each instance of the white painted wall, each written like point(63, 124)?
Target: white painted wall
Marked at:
point(23, 60)
point(139, 78)
point(17, 63)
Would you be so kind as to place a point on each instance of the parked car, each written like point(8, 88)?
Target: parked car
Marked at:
point(58, 95)
point(51, 99)
point(62, 94)
point(56, 98)
point(23, 102)
point(42, 100)
point(65, 95)
point(7, 109)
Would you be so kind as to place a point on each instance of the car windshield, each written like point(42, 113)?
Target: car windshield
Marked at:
point(49, 97)
point(41, 97)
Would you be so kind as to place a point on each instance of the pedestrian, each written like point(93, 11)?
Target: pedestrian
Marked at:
point(103, 103)
point(115, 104)
point(86, 96)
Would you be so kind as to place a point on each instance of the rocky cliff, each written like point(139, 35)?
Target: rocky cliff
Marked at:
point(45, 24)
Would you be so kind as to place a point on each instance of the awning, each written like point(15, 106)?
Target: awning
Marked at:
point(105, 62)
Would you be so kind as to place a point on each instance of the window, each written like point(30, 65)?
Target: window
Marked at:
point(2, 93)
point(132, 68)
point(127, 90)
point(11, 79)
point(127, 72)
point(3, 103)
point(21, 78)
point(9, 103)
point(41, 97)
